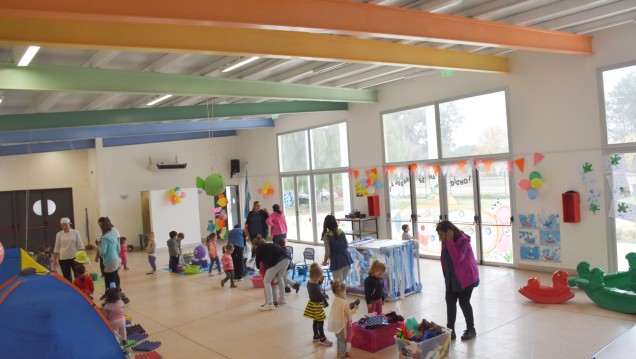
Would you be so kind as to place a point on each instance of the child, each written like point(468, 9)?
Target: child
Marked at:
point(151, 250)
point(43, 257)
point(123, 252)
point(173, 251)
point(317, 302)
point(114, 312)
point(374, 287)
point(228, 265)
point(340, 317)
point(406, 236)
point(213, 253)
point(84, 281)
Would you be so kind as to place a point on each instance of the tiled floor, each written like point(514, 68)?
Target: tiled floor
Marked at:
point(194, 317)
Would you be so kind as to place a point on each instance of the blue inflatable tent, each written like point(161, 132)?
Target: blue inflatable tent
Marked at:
point(44, 316)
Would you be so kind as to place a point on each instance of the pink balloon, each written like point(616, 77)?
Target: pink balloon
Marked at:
point(266, 196)
point(260, 191)
point(183, 194)
point(524, 184)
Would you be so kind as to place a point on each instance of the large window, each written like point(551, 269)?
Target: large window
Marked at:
point(619, 90)
point(422, 145)
point(410, 135)
point(474, 126)
point(314, 177)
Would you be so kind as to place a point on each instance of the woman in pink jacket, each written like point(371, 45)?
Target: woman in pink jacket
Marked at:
point(276, 220)
point(460, 274)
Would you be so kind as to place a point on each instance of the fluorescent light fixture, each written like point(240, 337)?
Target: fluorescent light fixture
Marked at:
point(1, 99)
point(241, 63)
point(158, 99)
point(29, 54)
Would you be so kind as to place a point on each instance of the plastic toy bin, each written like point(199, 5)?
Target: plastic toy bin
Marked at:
point(432, 348)
point(372, 340)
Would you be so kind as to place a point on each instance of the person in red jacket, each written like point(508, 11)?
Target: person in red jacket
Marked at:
point(84, 281)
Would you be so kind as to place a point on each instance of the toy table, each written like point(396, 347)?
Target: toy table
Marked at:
point(402, 275)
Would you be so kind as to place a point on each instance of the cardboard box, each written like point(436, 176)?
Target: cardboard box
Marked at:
point(432, 348)
point(372, 340)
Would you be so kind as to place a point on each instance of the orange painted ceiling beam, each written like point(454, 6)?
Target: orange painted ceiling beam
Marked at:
point(325, 16)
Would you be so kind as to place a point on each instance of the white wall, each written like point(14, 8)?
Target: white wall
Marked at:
point(166, 217)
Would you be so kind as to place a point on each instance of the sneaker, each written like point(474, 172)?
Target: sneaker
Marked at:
point(316, 340)
point(275, 304)
point(469, 334)
point(296, 286)
point(287, 290)
point(326, 342)
point(282, 301)
point(267, 307)
point(233, 286)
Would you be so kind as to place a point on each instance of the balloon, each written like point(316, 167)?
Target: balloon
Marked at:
point(260, 191)
point(532, 193)
point(270, 191)
point(378, 184)
point(371, 190)
point(266, 196)
point(524, 184)
point(177, 189)
point(534, 174)
point(173, 198)
point(369, 181)
point(1, 253)
point(183, 194)
point(363, 180)
point(536, 183)
point(171, 193)
point(178, 199)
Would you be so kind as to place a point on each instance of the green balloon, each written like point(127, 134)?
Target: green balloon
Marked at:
point(534, 174)
point(214, 184)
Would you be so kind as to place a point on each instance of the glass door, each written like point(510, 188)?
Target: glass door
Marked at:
point(461, 202)
point(400, 204)
point(623, 186)
point(305, 226)
point(428, 210)
point(341, 199)
point(290, 207)
point(323, 200)
point(494, 214)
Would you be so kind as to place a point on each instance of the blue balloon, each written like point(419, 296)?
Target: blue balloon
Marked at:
point(532, 193)
point(377, 184)
point(363, 181)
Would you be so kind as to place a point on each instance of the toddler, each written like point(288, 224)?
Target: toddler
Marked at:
point(374, 287)
point(43, 257)
point(123, 252)
point(114, 312)
point(213, 253)
point(228, 265)
point(406, 236)
point(317, 302)
point(173, 251)
point(340, 317)
point(84, 281)
point(151, 250)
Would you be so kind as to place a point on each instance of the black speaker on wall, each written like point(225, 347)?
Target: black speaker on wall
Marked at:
point(235, 167)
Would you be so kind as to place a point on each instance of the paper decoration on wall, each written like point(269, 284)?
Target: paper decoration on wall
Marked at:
point(221, 201)
point(368, 186)
point(530, 253)
point(175, 195)
point(619, 186)
point(623, 210)
point(538, 157)
point(593, 200)
point(545, 231)
point(266, 191)
point(586, 170)
point(213, 184)
point(615, 163)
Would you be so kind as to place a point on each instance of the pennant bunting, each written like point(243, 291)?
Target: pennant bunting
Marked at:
point(488, 166)
point(508, 165)
point(356, 173)
point(462, 166)
point(537, 158)
point(391, 169)
point(520, 162)
point(413, 167)
point(436, 170)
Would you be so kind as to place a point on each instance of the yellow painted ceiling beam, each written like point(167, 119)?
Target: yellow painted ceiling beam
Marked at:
point(331, 16)
point(235, 41)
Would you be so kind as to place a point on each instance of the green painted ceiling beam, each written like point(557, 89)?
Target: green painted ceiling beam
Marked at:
point(52, 120)
point(53, 78)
